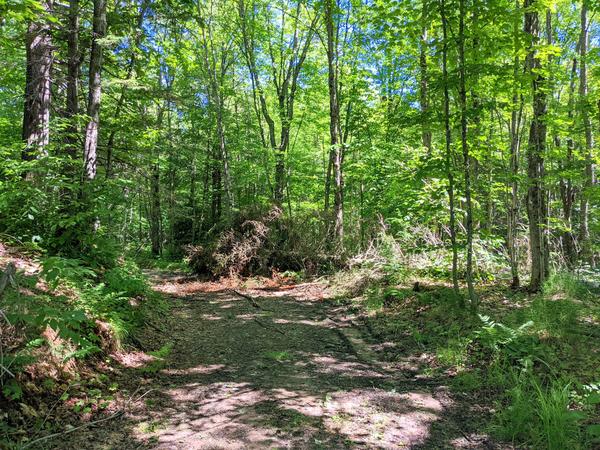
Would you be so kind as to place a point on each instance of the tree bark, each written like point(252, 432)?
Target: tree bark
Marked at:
point(73, 64)
point(155, 211)
point(335, 129)
point(567, 190)
point(449, 156)
point(36, 111)
point(95, 91)
point(589, 174)
point(424, 82)
point(536, 197)
point(465, 152)
point(515, 147)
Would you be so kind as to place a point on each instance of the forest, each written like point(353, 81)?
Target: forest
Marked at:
point(310, 224)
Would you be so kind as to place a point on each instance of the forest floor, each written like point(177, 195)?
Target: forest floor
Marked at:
point(283, 367)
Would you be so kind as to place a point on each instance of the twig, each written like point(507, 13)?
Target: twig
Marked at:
point(144, 394)
point(5, 369)
point(247, 297)
point(95, 422)
point(55, 404)
point(264, 325)
point(151, 325)
point(71, 430)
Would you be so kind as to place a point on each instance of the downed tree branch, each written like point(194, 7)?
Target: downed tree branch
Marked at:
point(247, 297)
point(114, 415)
point(157, 328)
point(268, 327)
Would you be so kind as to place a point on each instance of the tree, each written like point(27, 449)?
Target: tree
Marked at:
point(462, 95)
point(536, 196)
point(287, 53)
point(449, 157)
point(426, 134)
point(95, 91)
point(36, 111)
point(335, 128)
point(516, 118)
point(218, 59)
point(73, 63)
point(589, 176)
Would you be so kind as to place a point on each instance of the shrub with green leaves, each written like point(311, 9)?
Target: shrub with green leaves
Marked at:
point(126, 279)
point(56, 269)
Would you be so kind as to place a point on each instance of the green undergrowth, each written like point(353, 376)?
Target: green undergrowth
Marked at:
point(160, 356)
point(148, 262)
point(533, 360)
point(70, 312)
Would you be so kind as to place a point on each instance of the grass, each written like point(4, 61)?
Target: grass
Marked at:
point(160, 356)
point(147, 261)
point(278, 356)
point(538, 414)
point(529, 355)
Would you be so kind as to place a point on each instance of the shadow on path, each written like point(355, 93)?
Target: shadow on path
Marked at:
point(284, 371)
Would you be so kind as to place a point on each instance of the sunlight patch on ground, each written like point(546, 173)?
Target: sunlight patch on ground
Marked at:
point(313, 323)
point(330, 365)
point(210, 317)
point(202, 370)
point(379, 419)
point(133, 360)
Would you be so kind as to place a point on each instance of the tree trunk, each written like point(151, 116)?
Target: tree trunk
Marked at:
point(589, 175)
point(192, 200)
point(465, 151)
point(223, 154)
point(448, 156)
point(536, 198)
point(515, 145)
point(513, 210)
point(95, 90)
point(131, 65)
point(155, 212)
point(567, 190)
point(424, 82)
point(36, 111)
point(73, 63)
point(335, 125)
point(216, 190)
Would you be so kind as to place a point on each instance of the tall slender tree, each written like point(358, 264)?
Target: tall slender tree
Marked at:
point(335, 128)
point(73, 63)
point(449, 157)
point(536, 196)
point(287, 54)
point(426, 134)
point(589, 175)
point(462, 95)
point(516, 117)
point(90, 152)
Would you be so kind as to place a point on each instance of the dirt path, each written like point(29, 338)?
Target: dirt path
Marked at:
point(286, 370)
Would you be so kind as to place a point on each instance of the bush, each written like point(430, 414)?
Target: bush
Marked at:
point(257, 243)
point(127, 279)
